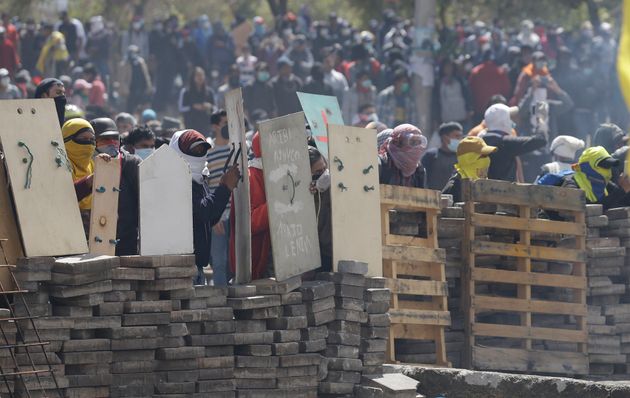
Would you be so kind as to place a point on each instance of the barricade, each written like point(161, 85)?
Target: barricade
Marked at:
point(414, 266)
point(524, 298)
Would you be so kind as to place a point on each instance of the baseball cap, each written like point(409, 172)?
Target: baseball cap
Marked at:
point(472, 144)
point(566, 146)
point(497, 118)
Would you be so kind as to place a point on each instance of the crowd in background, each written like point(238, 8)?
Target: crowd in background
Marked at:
point(524, 102)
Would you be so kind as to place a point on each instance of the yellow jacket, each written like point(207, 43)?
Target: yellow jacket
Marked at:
point(53, 50)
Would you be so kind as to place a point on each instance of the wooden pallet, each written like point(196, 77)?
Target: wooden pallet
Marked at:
point(512, 343)
point(414, 268)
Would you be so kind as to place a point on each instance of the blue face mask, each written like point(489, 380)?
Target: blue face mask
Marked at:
point(404, 87)
point(263, 76)
point(144, 152)
point(452, 145)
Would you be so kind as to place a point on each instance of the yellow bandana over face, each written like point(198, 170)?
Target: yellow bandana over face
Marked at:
point(80, 155)
point(472, 166)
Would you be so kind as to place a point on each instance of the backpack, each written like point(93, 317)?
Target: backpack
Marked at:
point(554, 179)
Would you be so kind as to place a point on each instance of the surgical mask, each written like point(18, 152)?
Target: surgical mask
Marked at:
point(367, 83)
point(5, 81)
point(404, 87)
point(144, 152)
point(111, 150)
point(452, 144)
point(137, 25)
point(540, 65)
point(263, 76)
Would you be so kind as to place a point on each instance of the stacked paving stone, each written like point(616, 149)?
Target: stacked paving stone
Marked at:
point(344, 332)
point(616, 308)
point(210, 326)
point(77, 286)
point(450, 235)
point(605, 289)
point(375, 332)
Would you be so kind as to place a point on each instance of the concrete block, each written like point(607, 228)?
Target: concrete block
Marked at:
point(341, 278)
point(81, 290)
point(256, 350)
point(296, 322)
point(271, 286)
point(87, 263)
point(291, 298)
point(175, 272)
point(315, 290)
point(283, 336)
point(321, 318)
point(134, 307)
point(285, 348)
point(239, 291)
point(341, 351)
point(314, 333)
point(248, 303)
point(155, 318)
point(259, 313)
point(320, 304)
point(349, 291)
point(165, 284)
point(269, 362)
point(133, 274)
point(377, 294)
point(312, 345)
point(352, 267)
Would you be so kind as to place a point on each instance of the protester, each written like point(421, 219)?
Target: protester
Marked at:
point(320, 188)
point(108, 142)
point(80, 144)
point(610, 136)
point(208, 207)
point(216, 160)
point(262, 262)
point(439, 162)
point(9, 57)
point(315, 83)
point(593, 175)
point(285, 86)
point(499, 126)
point(563, 149)
point(53, 88)
point(141, 142)
point(257, 95)
point(97, 93)
point(473, 163)
point(361, 93)
point(54, 55)
point(8, 90)
point(140, 83)
point(196, 102)
point(395, 104)
point(451, 98)
point(125, 122)
point(487, 80)
point(399, 157)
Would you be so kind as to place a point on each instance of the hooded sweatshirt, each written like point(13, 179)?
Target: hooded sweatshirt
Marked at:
point(261, 237)
point(207, 206)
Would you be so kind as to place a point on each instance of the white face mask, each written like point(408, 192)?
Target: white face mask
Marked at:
point(323, 182)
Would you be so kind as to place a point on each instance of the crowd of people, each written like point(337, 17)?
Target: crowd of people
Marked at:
point(537, 104)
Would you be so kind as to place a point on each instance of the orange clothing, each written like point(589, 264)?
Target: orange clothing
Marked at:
point(523, 82)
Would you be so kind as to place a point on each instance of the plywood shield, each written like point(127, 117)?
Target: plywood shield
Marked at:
point(355, 197)
point(41, 179)
point(165, 204)
point(104, 214)
point(321, 110)
point(292, 220)
point(243, 229)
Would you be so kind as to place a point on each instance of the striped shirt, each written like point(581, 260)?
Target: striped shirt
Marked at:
point(216, 161)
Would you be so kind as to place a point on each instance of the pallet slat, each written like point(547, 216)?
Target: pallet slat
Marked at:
point(522, 332)
point(527, 305)
point(417, 287)
point(516, 360)
point(524, 251)
point(528, 224)
point(397, 197)
point(410, 254)
point(420, 317)
point(528, 278)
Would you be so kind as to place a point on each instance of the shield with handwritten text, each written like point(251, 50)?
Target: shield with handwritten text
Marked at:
point(290, 204)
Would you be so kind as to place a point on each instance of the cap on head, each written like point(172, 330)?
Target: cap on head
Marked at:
point(472, 144)
point(566, 146)
point(497, 118)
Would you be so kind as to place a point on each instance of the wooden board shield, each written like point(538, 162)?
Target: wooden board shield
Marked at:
point(321, 110)
point(104, 214)
point(41, 179)
point(355, 197)
point(166, 225)
point(290, 205)
point(10, 242)
point(242, 224)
